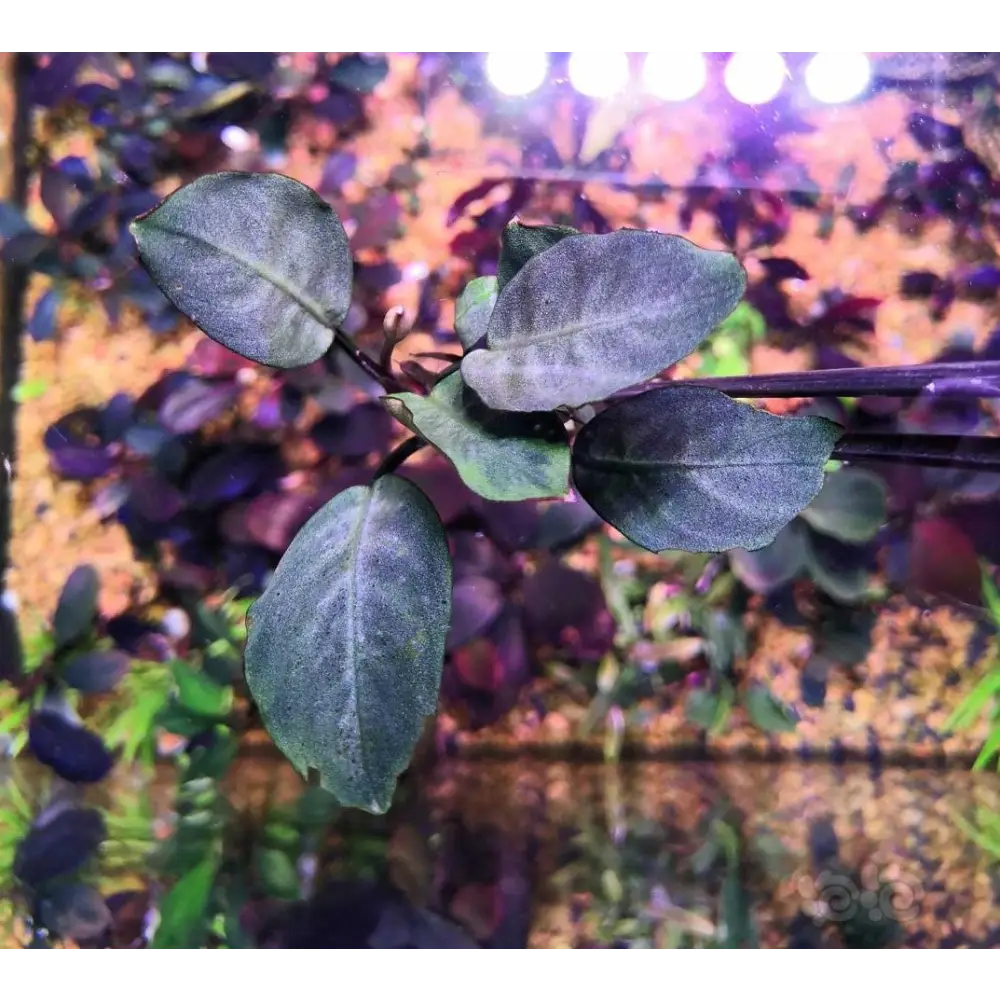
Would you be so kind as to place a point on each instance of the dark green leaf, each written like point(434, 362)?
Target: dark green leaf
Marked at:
point(199, 694)
point(850, 507)
point(75, 911)
point(519, 243)
point(97, 671)
point(595, 314)
point(767, 712)
point(771, 567)
point(77, 606)
point(502, 456)
point(690, 469)
point(183, 911)
point(258, 261)
point(836, 569)
point(473, 310)
point(277, 874)
point(345, 646)
point(701, 707)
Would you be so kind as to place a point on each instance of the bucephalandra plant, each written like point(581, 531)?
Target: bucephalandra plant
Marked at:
point(557, 384)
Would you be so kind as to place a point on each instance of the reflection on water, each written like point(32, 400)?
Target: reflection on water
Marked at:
point(510, 855)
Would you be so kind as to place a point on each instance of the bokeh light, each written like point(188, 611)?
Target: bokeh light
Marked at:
point(755, 77)
point(674, 76)
point(837, 77)
point(598, 74)
point(517, 73)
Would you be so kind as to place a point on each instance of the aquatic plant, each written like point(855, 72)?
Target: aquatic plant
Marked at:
point(345, 646)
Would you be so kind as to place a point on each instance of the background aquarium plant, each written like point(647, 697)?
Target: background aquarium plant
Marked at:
point(393, 409)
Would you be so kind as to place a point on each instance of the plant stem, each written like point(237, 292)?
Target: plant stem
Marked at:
point(399, 455)
point(946, 450)
point(965, 378)
point(368, 365)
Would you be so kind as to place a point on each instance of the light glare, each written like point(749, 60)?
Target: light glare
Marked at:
point(837, 77)
point(517, 73)
point(755, 77)
point(598, 74)
point(674, 76)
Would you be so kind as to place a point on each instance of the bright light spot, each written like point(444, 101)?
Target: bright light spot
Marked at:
point(674, 76)
point(237, 139)
point(517, 73)
point(598, 74)
point(755, 77)
point(835, 77)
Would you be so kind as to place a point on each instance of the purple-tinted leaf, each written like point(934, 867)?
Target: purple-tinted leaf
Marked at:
point(783, 269)
point(566, 609)
point(147, 438)
point(96, 672)
point(464, 200)
point(52, 83)
point(931, 134)
point(475, 604)
point(488, 674)
point(943, 561)
point(242, 65)
point(982, 283)
point(511, 525)
point(770, 568)
point(60, 194)
point(127, 631)
point(440, 482)
point(80, 462)
point(74, 912)
point(246, 568)
point(377, 278)
point(12, 221)
point(116, 417)
point(342, 108)
point(23, 249)
point(73, 752)
point(212, 360)
point(473, 554)
point(339, 169)
point(136, 157)
point(377, 221)
point(224, 477)
point(363, 430)
point(564, 523)
point(359, 73)
point(920, 284)
point(274, 519)
point(153, 498)
point(77, 606)
point(42, 324)
point(59, 843)
point(233, 523)
point(195, 404)
point(90, 214)
point(94, 95)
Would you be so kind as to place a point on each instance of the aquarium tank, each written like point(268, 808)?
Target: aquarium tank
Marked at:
point(500, 500)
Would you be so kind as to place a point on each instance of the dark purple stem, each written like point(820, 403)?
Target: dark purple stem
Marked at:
point(965, 378)
point(399, 455)
point(947, 450)
point(367, 364)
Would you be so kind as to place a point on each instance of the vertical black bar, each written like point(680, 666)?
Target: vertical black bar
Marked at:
point(12, 289)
